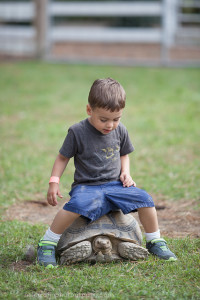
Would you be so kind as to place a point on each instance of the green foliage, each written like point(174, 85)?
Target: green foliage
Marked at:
point(39, 102)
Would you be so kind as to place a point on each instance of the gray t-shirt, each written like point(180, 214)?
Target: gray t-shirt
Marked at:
point(96, 156)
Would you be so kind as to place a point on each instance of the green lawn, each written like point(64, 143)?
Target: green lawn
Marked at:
point(38, 102)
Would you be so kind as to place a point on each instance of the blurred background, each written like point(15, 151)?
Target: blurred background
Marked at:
point(162, 32)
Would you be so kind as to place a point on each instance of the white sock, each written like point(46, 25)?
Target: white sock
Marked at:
point(51, 236)
point(152, 235)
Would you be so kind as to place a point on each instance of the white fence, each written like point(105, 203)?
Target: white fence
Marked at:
point(38, 37)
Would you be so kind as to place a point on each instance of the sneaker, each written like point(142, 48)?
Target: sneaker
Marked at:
point(159, 248)
point(46, 254)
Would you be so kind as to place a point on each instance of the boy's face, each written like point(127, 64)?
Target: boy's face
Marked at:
point(104, 120)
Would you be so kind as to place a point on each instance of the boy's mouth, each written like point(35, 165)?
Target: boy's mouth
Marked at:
point(106, 130)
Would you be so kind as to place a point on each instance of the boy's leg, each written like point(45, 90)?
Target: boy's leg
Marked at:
point(47, 245)
point(132, 198)
point(63, 220)
point(154, 244)
point(148, 218)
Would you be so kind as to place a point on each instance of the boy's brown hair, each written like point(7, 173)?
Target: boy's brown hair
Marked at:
point(107, 93)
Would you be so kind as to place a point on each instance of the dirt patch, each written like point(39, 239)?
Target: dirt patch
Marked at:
point(179, 220)
point(175, 219)
point(33, 211)
point(20, 265)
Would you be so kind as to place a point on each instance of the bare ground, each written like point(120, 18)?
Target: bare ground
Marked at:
point(178, 219)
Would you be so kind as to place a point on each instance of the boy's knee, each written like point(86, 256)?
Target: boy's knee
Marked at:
point(147, 198)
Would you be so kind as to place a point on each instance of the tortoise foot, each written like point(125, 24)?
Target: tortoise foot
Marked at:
point(100, 257)
point(76, 253)
point(132, 251)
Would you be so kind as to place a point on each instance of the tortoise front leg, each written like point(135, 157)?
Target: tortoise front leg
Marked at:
point(132, 251)
point(76, 253)
point(100, 257)
point(109, 256)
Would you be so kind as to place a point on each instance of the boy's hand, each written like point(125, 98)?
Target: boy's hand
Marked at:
point(127, 180)
point(52, 193)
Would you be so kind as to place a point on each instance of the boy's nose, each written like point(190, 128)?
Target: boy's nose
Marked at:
point(109, 125)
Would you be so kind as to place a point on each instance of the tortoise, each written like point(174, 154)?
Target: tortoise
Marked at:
point(112, 237)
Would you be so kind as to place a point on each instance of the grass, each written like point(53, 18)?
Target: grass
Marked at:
point(39, 102)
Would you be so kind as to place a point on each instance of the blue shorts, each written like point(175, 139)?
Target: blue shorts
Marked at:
point(94, 201)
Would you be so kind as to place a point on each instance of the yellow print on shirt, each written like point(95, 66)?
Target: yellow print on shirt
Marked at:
point(110, 152)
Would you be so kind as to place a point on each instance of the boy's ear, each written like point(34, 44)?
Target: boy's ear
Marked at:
point(88, 109)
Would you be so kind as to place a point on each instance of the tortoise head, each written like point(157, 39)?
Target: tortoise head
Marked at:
point(102, 243)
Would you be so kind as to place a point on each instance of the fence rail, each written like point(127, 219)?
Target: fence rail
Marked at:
point(123, 8)
point(17, 11)
point(105, 35)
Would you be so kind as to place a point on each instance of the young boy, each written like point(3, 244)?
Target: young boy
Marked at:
point(100, 146)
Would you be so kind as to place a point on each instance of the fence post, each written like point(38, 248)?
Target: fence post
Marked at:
point(169, 24)
point(41, 26)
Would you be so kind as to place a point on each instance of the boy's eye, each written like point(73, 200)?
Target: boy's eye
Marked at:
point(104, 121)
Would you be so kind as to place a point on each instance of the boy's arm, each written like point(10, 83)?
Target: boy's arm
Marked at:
point(58, 169)
point(125, 176)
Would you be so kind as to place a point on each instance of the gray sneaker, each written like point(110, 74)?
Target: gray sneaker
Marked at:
point(46, 254)
point(159, 248)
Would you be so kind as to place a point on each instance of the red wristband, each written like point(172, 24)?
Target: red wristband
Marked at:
point(54, 179)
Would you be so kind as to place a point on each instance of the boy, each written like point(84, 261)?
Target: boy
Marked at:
point(102, 182)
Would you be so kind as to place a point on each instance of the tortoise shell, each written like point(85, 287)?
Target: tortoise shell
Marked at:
point(115, 225)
